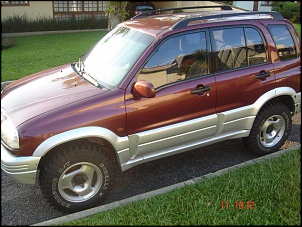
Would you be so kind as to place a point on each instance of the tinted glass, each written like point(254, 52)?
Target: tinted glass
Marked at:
point(115, 54)
point(256, 47)
point(230, 48)
point(142, 8)
point(284, 42)
point(178, 58)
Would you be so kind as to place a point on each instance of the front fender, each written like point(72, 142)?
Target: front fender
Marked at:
point(119, 143)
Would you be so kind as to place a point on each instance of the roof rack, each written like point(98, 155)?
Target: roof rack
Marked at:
point(152, 12)
point(185, 22)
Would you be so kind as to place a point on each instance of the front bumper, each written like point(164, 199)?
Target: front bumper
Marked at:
point(22, 169)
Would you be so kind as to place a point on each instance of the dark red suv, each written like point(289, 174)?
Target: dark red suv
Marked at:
point(154, 86)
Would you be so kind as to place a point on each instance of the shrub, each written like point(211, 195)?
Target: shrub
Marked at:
point(7, 42)
point(177, 11)
point(289, 10)
point(19, 23)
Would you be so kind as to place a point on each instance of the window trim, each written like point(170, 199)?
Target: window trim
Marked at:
point(9, 4)
point(73, 14)
point(266, 3)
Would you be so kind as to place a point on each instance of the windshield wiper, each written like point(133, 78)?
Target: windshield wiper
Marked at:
point(89, 78)
point(80, 68)
point(80, 65)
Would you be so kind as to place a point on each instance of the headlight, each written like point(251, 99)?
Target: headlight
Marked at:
point(9, 134)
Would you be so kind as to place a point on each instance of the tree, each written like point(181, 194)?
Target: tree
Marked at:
point(289, 10)
point(116, 12)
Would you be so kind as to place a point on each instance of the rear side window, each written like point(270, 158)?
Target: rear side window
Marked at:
point(283, 41)
point(238, 47)
point(230, 48)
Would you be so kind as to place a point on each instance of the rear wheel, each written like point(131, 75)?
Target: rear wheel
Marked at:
point(270, 130)
point(77, 177)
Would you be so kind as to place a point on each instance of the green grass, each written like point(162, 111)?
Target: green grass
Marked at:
point(298, 28)
point(274, 186)
point(36, 53)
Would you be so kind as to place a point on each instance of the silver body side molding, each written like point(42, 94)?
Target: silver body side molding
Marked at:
point(169, 140)
point(173, 139)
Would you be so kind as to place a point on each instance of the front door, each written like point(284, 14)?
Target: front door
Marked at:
point(183, 109)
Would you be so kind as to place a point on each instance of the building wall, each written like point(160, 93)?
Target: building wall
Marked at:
point(39, 9)
point(178, 4)
point(244, 4)
point(36, 9)
point(264, 8)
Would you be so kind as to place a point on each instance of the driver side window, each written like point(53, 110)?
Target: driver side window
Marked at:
point(176, 59)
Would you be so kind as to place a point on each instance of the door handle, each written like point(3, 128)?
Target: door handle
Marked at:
point(200, 89)
point(263, 75)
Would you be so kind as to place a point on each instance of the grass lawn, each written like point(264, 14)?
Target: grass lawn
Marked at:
point(266, 193)
point(36, 53)
point(298, 28)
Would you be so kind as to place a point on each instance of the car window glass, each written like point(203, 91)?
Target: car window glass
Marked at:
point(178, 58)
point(229, 48)
point(123, 46)
point(144, 8)
point(256, 47)
point(283, 42)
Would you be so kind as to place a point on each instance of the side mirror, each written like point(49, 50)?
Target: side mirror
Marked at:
point(143, 89)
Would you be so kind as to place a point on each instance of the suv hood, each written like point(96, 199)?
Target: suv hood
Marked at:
point(44, 91)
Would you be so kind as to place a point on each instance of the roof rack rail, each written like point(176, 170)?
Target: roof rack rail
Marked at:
point(185, 22)
point(151, 12)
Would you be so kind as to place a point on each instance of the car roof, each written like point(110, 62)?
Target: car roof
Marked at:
point(156, 24)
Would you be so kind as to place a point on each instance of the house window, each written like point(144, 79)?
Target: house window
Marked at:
point(14, 3)
point(78, 9)
point(267, 3)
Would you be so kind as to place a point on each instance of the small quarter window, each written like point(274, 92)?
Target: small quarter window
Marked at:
point(283, 41)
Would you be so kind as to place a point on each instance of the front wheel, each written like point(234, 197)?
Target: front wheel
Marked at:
point(77, 177)
point(270, 130)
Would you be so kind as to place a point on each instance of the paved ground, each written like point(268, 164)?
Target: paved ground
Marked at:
point(24, 204)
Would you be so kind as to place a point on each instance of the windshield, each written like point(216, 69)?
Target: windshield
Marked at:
point(113, 56)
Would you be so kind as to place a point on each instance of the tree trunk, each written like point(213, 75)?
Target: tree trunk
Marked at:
point(113, 20)
point(116, 13)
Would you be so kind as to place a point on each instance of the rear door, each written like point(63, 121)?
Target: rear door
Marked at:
point(243, 74)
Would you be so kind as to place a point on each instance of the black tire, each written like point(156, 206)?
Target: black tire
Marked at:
point(270, 129)
point(77, 177)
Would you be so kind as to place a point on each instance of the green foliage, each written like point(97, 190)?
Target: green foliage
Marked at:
point(117, 8)
point(7, 42)
point(227, 2)
point(289, 10)
point(19, 23)
point(298, 29)
point(177, 11)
